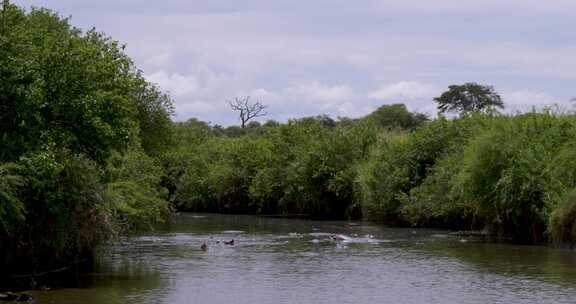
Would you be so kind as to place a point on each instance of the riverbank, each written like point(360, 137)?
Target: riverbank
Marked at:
point(66, 274)
point(511, 175)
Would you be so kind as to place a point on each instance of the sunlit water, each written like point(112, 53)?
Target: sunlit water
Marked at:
point(295, 261)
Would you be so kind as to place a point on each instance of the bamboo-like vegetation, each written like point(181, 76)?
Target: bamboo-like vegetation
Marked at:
point(511, 175)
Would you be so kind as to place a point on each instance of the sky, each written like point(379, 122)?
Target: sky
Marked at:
point(339, 57)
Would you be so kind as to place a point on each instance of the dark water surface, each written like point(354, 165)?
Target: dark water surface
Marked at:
point(294, 261)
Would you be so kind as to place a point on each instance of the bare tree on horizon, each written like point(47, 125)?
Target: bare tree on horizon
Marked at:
point(247, 110)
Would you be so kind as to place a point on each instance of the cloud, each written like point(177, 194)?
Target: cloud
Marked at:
point(360, 56)
point(526, 100)
point(198, 106)
point(417, 96)
point(534, 6)
point(176, 84)
point(405, 91)
point(159, 60)
point(201, 93)
point(313, 98)
point(316, 91)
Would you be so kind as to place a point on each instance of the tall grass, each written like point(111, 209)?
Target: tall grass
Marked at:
point(511, 175)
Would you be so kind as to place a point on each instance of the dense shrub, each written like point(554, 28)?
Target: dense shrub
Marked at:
point(72, 102)
point(401, 162)
point(512, 175)
point(134, 193)
point(306, 166)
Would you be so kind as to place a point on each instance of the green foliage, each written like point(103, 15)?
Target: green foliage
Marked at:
point(66, 89)
point(306, 166)
point(396, 116)
point(213, 173)
point(513, 176)
point(238, 161)
point(11, 207)
point(153, 110)
point(319, 180)
point(504, 171)
point(80, 90)
point(435, 202)
point(469, 98)
point(383, 178)
point(562, 221)
point(63, 198)
point(134, 193)
point(73, 109)
point(401, 162)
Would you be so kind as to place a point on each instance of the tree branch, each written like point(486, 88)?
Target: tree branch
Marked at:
point(247, 110)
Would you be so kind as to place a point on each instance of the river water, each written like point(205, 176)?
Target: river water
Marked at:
point(295, 261)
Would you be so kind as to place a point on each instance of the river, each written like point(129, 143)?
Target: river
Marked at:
point(278, 260)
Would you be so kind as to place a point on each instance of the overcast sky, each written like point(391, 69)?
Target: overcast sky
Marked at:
point(339, 57)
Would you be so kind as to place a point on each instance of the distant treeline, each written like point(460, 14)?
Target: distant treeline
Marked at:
point(88, 151)
point(514, 176)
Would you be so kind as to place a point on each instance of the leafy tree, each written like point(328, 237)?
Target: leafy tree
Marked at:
point(76, 89)
point(469, 97)
point(134, 191)
point(396, 116)
point(153, 111)
point(69, 102)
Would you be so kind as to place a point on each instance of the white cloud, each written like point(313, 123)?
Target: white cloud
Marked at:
point(316, 91)
point(533, 6)
point(198, 106)
point(313, 98)
point(205, 52)
point(405, 91)
point(177, 85)
point(203, 95)
point(159, 60)
point(528, 98)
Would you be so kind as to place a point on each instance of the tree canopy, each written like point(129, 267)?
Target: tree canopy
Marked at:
point(469, 97)
point(74, 112)
point(397, 116)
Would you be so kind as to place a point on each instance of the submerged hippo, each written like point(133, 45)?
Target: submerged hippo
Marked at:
point(339, 237)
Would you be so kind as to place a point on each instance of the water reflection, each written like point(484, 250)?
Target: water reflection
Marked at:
point(298, 261)
point(556, 266)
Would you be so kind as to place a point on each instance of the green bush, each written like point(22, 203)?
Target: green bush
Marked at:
point(401, 162)
point(12, 209)
point(383, 178)
point(562, 220)
point(435, 202)
point(70, 103)
point(504, 172)
point(64, 206)
point(134, 193)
